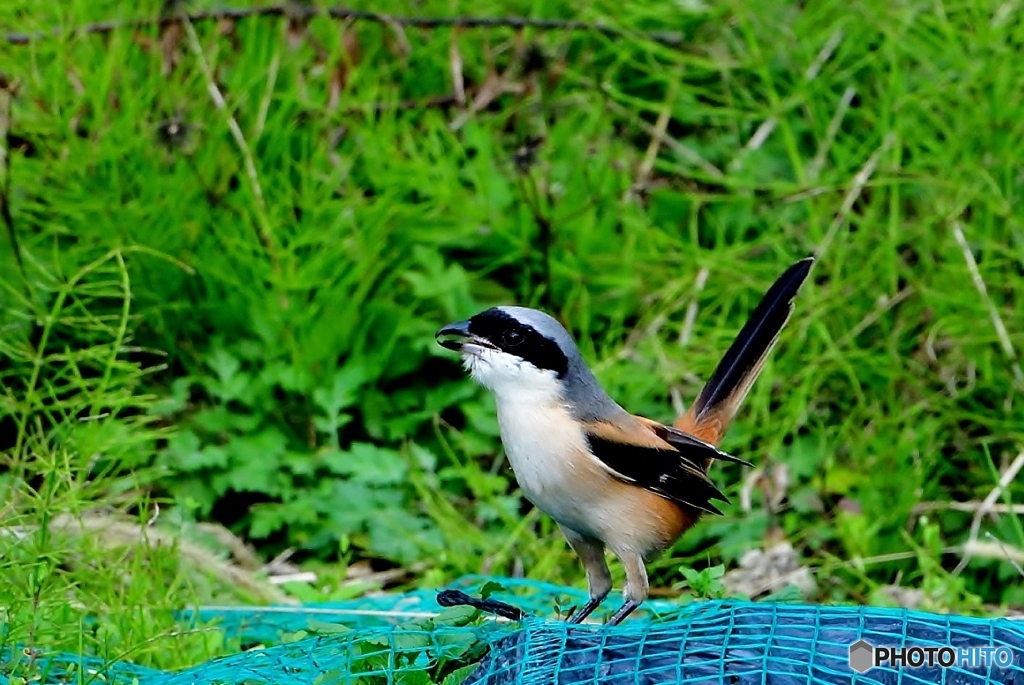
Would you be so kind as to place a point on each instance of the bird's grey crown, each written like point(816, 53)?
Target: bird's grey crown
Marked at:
point(586, 398)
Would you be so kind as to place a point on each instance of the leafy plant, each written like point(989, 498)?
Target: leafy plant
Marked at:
point(706, 583)
point(243, 333)
point(77, 547)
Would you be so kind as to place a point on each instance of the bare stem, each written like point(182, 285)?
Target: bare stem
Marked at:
point(668, 38)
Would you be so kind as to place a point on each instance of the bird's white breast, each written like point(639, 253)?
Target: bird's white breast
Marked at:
point(548, 454)
point(538, 440)
point(545, 446)
point(550, 458)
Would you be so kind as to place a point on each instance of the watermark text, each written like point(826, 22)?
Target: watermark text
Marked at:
point(865, 656)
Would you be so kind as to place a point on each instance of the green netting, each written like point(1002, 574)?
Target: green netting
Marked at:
point(408, 638)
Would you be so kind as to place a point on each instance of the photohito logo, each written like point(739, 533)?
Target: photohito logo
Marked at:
point(865, 656)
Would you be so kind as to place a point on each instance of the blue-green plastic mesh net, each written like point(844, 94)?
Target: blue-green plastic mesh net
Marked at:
point(398, 638)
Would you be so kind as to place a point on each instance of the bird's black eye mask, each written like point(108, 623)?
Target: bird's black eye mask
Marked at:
point(515, 337)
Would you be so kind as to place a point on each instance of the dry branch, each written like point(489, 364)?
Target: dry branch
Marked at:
point(7, 89)
point(993, 311)
point(263, 230)
point(860, 180)
point(292, 11)
point(1005, 478)
point(115, 531)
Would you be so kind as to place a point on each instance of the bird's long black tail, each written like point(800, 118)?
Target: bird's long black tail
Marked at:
point(712, 412)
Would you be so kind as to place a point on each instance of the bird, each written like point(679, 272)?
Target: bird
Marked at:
point(610, 479)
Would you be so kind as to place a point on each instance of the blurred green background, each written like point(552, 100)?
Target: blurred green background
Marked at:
point(227, 246)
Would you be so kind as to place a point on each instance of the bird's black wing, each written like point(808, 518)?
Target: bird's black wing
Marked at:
point(668, 471)
point(691, 445)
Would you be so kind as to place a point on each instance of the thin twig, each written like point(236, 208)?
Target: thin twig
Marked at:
point(993, 312)
point(545, 234)
point(872, 317)
point(268, 95)
point(683, 151)
point(814, 168)
point(455, 61)
point(1004, 12)
point(811, 73)
point(685, 333)
point(379, 578)
point(307, 577)
point(991, 550)
point(968, 507)
point(494, 86)
point(263, 229)
point(690, 318)
point(824, 55)
point(668, 38)
point(6, 216)
point(424, 103)
point(856, 188)
point(240, 552)
point(658, 136)
point(117, 531)
point(404, 46)
point(986, 508)
point(155, 517)
point(1014, 559)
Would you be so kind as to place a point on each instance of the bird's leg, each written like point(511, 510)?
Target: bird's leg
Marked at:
point(637, 587)
point(623, 611)
point(599, 578)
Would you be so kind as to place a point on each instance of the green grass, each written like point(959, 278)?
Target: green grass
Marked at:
point(252, 350)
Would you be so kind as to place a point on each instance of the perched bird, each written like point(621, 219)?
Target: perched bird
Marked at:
point(610, 479)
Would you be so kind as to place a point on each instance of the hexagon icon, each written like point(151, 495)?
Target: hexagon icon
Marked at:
point(862, 656)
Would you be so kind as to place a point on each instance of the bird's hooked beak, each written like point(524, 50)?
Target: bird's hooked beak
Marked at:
point(455, 336)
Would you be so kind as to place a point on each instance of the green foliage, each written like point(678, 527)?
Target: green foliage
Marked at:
point(414, 654)
point(253, 345)
point(707, 583)
point(78, 569)
point(266, 434)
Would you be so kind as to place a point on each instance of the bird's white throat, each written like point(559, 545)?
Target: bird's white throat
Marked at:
point(537, 430)
point(510, 378)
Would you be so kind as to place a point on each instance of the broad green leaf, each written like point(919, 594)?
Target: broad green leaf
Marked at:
point(456, 616)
